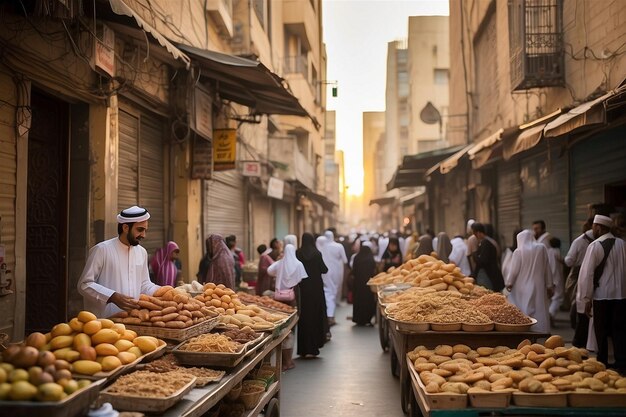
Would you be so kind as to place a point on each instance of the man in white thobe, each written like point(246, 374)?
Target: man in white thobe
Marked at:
point(543, 237)
point(602, 290)
point(529, 281)
point(116, 271)
point(335, 259)
point(458, 256)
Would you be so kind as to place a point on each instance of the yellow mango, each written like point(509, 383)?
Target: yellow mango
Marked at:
point(72, 356)
point(61, 329)
point(106, 349)
point(129, 335)
point(80, 340)
point(76, 325)
point(119, 327)
point(145, 343)
point(60, 342)
point(106, 323)
point(126, 357)
point(86, 367)
point(86, 316)
point(135, 351)
point(110, 363)
point(105, 336)
point(92, 327)
point(123, 345)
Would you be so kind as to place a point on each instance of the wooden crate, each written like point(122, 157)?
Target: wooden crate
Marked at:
point(489, 399)
point(596, 399)
point(440, 400)
point(524, 399)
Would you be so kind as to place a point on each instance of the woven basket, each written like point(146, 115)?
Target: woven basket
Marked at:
point(234, 393)
point(251, 396)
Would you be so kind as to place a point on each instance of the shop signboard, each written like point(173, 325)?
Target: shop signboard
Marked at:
point(202, 106)
point(104, 57)
point(275, 188)
point(224, 149)
point(251, 169)
point(202, 158)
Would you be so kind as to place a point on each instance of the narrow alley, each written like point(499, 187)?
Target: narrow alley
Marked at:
point(351, 377)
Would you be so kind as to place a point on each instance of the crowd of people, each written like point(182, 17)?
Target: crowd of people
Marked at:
point(318, 272)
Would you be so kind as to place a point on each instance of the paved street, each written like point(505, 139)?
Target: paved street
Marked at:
point(351, 378)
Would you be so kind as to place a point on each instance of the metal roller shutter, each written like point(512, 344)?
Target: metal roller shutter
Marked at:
point(141, 170)
point(508, 201)
point(544, 194)
point(225, 208)
point(598, 161)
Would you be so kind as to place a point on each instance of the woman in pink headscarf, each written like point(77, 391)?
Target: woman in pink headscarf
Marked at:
point(163, 264)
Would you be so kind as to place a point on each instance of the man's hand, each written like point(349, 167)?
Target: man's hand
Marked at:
point(123, 301)
point(509, 288)
point(589, 309)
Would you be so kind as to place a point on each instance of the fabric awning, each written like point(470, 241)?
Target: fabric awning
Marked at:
point(120, 8)
point(246, 82)
point(382, 201)
point(526, 140)
point(451, 162)
point(412, 171)
point(587, 114)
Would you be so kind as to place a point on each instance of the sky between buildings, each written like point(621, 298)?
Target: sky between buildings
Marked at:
point(356, 33)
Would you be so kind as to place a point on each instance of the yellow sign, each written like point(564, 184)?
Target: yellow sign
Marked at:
point(224, 149)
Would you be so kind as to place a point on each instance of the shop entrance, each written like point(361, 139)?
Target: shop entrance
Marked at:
point(46, 230)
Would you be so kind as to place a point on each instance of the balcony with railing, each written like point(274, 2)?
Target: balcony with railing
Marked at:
point(536, 43)
point(221, 11)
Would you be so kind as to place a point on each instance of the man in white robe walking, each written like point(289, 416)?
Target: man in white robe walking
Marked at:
point(335, 259)
point(529, 281)
point(116, 271)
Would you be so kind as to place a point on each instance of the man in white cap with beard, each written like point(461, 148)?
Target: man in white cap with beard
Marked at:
point(602, 290)
point(116, 271)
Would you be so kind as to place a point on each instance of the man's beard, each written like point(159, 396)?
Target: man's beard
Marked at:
point(133, 241)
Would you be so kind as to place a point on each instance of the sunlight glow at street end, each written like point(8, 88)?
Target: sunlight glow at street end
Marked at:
point(356, 33)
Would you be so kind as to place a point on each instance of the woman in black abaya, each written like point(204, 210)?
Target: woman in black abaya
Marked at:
point(313, 323)
point(364, 304)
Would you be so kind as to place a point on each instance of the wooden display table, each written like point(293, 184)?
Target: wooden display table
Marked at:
point(419, 407)
point(403, 342)
point(201, 400)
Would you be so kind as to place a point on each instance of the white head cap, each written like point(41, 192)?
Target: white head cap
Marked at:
point(133, 214)
point(603, 220)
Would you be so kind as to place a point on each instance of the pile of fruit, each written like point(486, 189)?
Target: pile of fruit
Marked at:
point(427, 272)
point(30, 374)
point(90, 345)
point(167, 307)
point(532, 368)
point(233, 312)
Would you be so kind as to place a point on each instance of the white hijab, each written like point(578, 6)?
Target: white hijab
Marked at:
point(329, 236)
point(288, 271)
point(291, 240)
point(320, 243)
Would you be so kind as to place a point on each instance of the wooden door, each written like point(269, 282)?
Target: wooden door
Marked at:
point(46, 229)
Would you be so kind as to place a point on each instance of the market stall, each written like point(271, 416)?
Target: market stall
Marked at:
point(178, 355)
point(532, 379)
point(426, 302)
